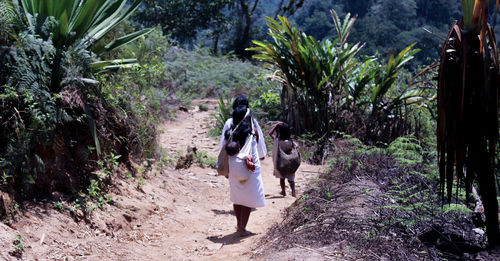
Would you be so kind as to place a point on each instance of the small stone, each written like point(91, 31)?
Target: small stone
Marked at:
point(478, 231)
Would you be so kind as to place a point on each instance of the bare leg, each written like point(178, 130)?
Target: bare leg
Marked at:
point(282, 184)
point(237, 213)
point(245, 215)
point(292, 186)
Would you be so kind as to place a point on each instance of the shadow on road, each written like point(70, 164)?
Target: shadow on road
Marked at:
point(230, 239)
point(222, 212)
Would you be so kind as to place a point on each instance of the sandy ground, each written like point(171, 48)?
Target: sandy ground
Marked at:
point(175, 215)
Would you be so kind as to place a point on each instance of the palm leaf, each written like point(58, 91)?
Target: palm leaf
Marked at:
point(467, 127)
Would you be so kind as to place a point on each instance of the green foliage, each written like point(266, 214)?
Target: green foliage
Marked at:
point(183, 19)
point(266, 103)
point(327, 88)
point(75, 26)
point(18, 243)
point(58, 205)
point(198, 73)
point(411, 204)
point(96, 194)
point(406, 150)
point(203, 107)
point(143, 93)
point(467, 10)
point(4, 179)
point(141, 181)
point(9, 19)
point(29, 112)
point(83, 23)
point(304, 67)
point(385, 25)
point(204, 160)
point(223, 113)
point(456, 208)
point(44, 49)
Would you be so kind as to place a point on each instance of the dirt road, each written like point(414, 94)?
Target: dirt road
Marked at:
point(211, 225)
point(174, 215)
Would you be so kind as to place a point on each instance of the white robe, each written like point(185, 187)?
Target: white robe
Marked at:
point(250, 193)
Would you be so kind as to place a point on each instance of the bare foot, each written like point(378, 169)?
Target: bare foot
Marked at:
point(244, 233)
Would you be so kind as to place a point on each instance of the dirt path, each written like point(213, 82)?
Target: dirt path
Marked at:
point(174, 215)
point(211, 224)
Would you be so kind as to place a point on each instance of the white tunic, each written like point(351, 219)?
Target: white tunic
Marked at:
point(250, 193)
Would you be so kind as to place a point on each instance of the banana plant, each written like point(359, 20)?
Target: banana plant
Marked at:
point(385, 78)
point(310, 71)
point(322, 80)
point(302, 63)
point(467, 127)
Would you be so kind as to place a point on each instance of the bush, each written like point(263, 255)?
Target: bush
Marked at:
point(52, 113)
point(266, 102)
point(29, 113)
point(406, 150)
point(328, 88)
point(199, 73)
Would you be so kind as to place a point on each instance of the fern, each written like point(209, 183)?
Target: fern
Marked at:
point(29, 113)
point(406, 150)
point(7, 12)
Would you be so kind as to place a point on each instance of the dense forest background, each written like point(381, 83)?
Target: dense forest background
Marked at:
point(383, 25)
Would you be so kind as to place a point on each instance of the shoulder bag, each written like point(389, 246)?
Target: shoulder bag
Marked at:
point(222, 165)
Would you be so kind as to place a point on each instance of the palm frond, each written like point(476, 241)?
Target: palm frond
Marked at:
point(467, 127)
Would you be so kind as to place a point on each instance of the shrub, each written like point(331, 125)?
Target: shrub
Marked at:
point(199, 73)
point(50, 108)
point(326, 87)
point(29, 112)
point(406, 150)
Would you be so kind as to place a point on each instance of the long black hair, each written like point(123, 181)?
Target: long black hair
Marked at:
point(240, 106)
point(241, 100)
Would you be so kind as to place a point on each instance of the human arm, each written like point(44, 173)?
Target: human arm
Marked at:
point(273, 132)
point(261, 144)
point(227, 126)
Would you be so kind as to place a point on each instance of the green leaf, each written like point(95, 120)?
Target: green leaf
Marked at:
point(122, 41)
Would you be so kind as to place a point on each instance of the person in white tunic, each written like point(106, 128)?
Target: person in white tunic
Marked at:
point(249, 193)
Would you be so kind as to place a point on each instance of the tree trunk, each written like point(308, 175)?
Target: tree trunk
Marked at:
point(487, 189)
point(244, 35)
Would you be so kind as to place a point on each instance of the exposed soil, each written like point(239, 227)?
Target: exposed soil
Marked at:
point(369, 207)
point(186, 214)
point(176, 215)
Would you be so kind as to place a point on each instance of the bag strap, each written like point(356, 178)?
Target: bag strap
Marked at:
point(235, 128)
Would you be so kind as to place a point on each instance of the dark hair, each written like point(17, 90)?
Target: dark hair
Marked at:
point(284, 131)
point(245, 127)
point(232, 148)
point(241, 100)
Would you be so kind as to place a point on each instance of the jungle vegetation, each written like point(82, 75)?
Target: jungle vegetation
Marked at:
point(83, 83)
